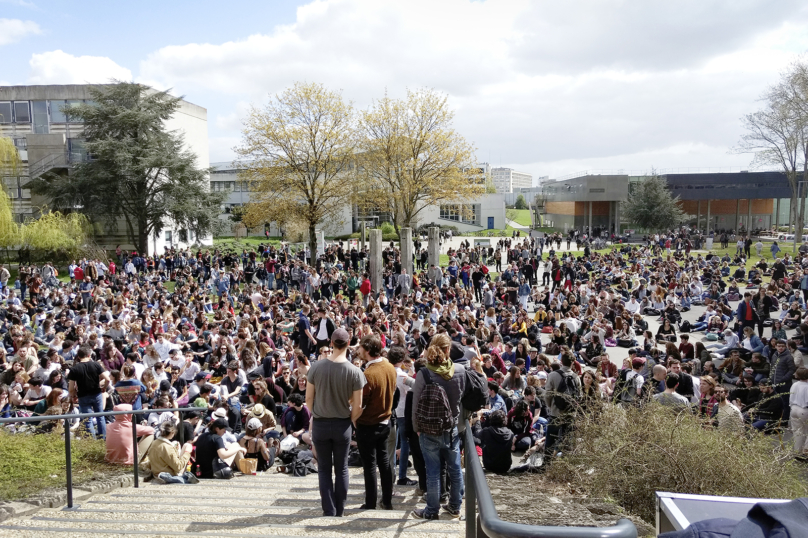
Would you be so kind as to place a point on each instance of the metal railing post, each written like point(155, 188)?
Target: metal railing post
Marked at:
point(471, 493)
point(69, 464)
point(134, 450)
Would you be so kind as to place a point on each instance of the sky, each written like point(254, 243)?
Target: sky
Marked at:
point(546, 87)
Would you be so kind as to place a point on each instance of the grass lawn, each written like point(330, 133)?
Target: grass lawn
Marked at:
point(244, 242)
point(31, 463)
point(519, 216)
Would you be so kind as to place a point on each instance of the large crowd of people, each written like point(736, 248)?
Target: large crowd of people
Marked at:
point(292, 363)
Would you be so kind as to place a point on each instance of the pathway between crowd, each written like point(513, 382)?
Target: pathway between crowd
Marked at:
point(266, 505)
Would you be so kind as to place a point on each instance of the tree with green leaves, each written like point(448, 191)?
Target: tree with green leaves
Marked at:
point(652, 206)
point(298, 152)
point(139, 172)
point(521, 203)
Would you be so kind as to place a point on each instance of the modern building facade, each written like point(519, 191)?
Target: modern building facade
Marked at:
point(51, 141)
point(482, 213)
point(507, 180)
point(712, 201)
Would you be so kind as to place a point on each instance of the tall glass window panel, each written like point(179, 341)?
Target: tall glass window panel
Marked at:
point(57, 111)
point(73, 118)
point(40, 109)
point(22, 112)
point(5, 112)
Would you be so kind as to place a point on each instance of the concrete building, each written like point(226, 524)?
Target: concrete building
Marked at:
point(712, 201)
point(51, 141)
point(486, 212)
point(507, 180)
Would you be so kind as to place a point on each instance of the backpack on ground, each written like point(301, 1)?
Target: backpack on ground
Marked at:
point(566, 393)
point(433, 412)
point(685, 327)
point(475, 394)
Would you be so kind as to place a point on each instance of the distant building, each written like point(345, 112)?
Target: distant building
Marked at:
point(711, 201)
point(51, 141)
point(507, 180)
point(485, 212)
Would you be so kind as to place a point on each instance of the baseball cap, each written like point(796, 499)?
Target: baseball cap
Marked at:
point(201, 375)
point(254, 424)
point(340, 334)
point(542, 375)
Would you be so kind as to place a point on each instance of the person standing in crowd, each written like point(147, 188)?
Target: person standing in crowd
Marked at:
point(440, 445)
point(562, 389)
point(373, 426)
point(87, 382)
point(334, 397)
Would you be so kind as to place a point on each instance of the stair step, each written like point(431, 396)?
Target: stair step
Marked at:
point(446, 526)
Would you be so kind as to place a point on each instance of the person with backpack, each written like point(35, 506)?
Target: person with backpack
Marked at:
point(562, 391)
point(628, 389)
point(436, 407)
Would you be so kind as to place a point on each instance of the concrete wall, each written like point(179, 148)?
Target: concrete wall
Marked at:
point(491, 205)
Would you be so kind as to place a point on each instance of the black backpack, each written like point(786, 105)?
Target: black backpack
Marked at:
point(685, 327)
point(475, 394)
point(567, 393)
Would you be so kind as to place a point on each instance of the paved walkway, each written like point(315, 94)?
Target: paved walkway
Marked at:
point(266, 505)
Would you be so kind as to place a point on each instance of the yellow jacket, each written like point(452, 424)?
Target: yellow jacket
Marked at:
point(163, 458)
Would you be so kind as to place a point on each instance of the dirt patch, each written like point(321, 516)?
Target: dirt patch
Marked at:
point(532, 499)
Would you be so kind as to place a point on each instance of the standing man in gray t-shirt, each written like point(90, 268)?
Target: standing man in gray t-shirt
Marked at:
point(334, 397)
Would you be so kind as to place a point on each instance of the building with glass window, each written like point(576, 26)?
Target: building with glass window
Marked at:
point(484, 213)
point(711, 201)
point(507, 180)
point(51, 141)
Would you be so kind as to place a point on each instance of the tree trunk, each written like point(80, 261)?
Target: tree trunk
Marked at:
point(313, 243)
point(142, 238)
point(801, 215)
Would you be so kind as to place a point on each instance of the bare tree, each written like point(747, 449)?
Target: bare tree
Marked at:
point(778, 135)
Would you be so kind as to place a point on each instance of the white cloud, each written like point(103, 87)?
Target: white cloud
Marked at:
point(58, 67)
point(532, 83)
point(13, 30)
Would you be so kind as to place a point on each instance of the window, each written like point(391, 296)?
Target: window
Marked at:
point(57, 112)
point(183, 236)
point(77, 152)
point(5, 112)
point(40, 109)
point(465, 213)
point(22, 112)
point(73, 102)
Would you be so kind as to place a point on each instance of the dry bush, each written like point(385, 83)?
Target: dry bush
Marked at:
point(628, 454)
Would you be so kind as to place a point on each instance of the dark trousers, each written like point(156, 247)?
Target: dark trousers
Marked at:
point(417, 459)
point(556, 429)
point(331, 438)
point(372, 444)
point(744, 324)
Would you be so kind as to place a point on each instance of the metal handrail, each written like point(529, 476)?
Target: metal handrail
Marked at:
point(82, 416)
point(488, 524)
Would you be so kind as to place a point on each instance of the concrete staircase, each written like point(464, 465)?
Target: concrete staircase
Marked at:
point(266, 505)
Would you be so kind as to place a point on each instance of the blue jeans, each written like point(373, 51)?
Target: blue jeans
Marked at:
point(404, 446)
point(94, 404)
point(169, 479)
point(434, 447)
point(270, 280)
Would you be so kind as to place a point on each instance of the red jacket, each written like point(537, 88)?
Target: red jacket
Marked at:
point(365, 287)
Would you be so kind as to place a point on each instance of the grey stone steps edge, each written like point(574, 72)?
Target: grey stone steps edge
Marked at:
point(256, 498)
point(79, 533)
point(393, 526)
point(219, 505)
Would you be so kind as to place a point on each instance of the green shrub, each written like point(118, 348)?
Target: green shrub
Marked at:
point(387, 229)
point(30, 463)
point(628, 455)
